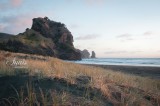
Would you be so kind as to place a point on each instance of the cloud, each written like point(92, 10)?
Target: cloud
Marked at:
point(17, 23)
point(122, 52)
point(4, 6)
point(150, 33)
point(90, 2)
point(115, 52)
point(1, 27)
point(94, 2)
point(10, 4)
point(125, 37)
point(87, 37)
point(73, 26)
point(16, 2)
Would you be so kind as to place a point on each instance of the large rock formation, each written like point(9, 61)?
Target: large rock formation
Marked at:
point(85, 54)
point(45, 37)
point(93, 54)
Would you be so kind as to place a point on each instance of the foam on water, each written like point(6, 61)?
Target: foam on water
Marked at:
point(122, 61)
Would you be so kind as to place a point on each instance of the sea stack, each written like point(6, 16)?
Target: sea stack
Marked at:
point(93, 54)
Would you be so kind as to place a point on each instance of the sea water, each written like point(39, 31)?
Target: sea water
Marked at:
point(122, 61)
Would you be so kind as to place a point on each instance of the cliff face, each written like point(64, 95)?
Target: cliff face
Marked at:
point(45, 37)
point(54, 30)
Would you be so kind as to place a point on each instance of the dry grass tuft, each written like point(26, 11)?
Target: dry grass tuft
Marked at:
point(116, 87)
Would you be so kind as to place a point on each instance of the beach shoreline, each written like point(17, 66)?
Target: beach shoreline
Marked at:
point(144, 71)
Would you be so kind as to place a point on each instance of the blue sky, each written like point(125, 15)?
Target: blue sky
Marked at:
point(112, 28)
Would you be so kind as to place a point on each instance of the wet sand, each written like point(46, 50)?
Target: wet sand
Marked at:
point(145, 71)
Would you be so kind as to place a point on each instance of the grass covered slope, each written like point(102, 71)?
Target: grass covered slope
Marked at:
point(29, 42)
point(50, 81)
point(4, 36)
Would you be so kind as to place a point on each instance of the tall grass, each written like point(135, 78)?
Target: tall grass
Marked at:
point(107, 81)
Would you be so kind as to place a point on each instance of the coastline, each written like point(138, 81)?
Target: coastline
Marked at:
point(144, 71)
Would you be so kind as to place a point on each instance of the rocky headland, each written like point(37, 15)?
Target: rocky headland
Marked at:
point(46, 37)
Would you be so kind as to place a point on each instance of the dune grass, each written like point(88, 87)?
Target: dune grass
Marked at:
point(116, 87)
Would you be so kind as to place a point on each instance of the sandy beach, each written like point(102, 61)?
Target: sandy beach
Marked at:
point(145, 71)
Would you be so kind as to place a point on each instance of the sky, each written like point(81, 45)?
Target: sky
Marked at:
point(112, 28)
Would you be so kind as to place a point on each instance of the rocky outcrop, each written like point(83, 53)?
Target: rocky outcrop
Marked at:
point(51, 29)
point(45, 37)
point(85, 54)
point(93, 54)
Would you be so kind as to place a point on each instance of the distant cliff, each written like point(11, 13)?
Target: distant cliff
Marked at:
point(45, 37)
point(85, 54)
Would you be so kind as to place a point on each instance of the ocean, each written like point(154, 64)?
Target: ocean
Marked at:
point(122, 61)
